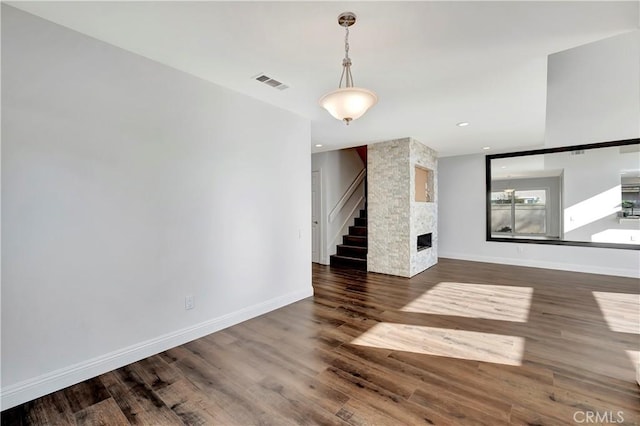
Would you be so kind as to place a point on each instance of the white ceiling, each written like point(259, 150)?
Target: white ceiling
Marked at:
point(532, 166)
point(433, 64)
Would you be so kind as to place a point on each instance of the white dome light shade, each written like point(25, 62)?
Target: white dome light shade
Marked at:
point(349, 103)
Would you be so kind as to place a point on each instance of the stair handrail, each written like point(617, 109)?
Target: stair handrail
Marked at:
point(349, 192)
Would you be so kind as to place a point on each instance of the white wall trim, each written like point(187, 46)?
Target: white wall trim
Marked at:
point(322, 257)
point(344, 228)
point(36, 387)
point(588, 269)
point(347, 195)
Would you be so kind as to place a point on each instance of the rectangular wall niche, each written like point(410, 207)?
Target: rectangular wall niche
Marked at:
point(424, 185)
point(424, 241)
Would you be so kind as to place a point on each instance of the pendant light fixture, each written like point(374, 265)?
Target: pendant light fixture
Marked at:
point(348, 103)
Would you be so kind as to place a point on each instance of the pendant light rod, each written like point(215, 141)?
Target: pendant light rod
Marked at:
point(346, 20)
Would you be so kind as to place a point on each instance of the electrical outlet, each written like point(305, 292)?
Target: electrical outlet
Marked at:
point(189, 303)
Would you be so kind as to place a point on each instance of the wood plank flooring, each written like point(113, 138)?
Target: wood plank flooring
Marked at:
point(462, 343)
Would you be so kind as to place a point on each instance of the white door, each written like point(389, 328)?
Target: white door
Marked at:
point(315, 216)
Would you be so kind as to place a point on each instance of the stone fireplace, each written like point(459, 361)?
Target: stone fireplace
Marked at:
point(402, 207)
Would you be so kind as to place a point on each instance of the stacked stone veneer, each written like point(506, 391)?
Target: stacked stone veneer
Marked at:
point(395, 219)
point(423, 216)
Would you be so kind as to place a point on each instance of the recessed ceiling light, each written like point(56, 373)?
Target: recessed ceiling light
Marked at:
point(503, 167)
point(318, 145)
point(486, 148)
point(462, 124)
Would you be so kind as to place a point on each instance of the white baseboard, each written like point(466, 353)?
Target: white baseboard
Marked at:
point(27, 390)
point(589, 269)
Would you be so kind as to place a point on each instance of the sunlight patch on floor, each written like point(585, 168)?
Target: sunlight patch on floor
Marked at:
point(493, 302)
point(621, 311)
point(604, 204)
point(634, 356)
point(618, 236)
point(460, 344)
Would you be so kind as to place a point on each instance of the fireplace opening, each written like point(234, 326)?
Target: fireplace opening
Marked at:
point(424, 241)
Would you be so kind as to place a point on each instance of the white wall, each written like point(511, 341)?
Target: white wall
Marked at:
point(593, 196)
point(338, 169)
point(593, 92)
point(593, 96)
point(127, 185)
point(462, 235)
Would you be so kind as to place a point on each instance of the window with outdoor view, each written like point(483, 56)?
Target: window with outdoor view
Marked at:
point(519, 212)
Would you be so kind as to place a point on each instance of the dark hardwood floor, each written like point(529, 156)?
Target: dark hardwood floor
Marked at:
point(462, 343)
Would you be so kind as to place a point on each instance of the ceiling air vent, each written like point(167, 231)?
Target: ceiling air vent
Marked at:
point(577, 152)
point(270, 82)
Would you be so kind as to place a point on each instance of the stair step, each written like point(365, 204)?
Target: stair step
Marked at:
point(352, 251)
point(348, 262)
point(360, 221)
point(363, 214)
point(358, 230)
point(354, 240)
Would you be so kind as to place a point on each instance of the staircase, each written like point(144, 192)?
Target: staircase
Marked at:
point(352, 253)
